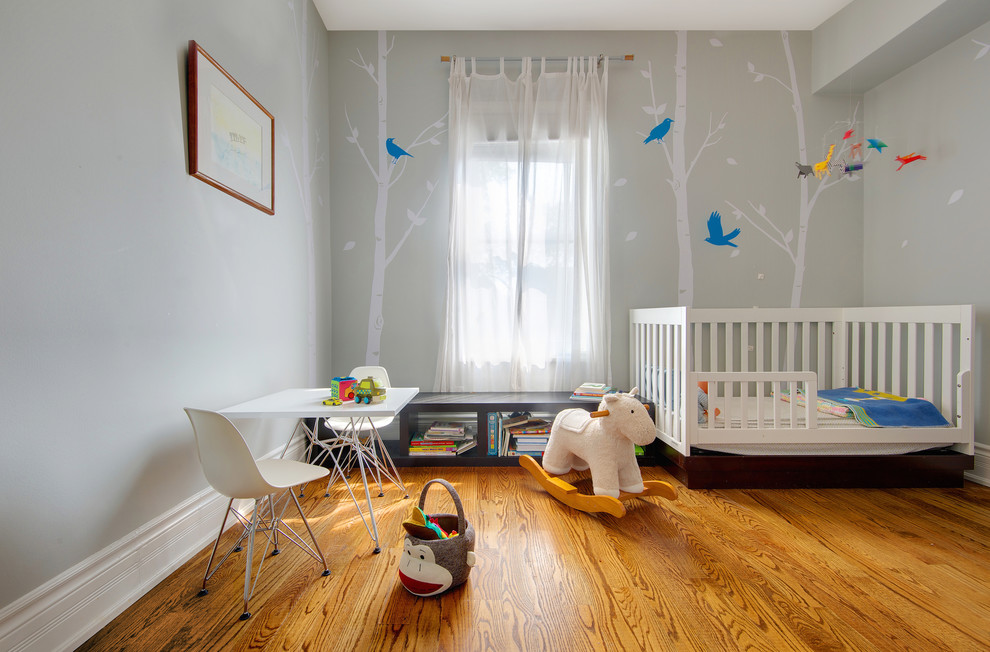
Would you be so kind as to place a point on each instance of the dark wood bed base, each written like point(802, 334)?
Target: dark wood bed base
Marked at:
point(706, 470)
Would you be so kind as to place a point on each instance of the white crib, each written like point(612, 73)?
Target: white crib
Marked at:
point(751, 359)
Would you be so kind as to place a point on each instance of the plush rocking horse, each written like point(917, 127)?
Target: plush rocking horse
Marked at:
point(603, 441)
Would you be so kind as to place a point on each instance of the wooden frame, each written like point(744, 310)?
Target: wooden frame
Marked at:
point(231, 136)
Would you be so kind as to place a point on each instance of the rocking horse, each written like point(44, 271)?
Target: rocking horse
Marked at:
point(603, 441)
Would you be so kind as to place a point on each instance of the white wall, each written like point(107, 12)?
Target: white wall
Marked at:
point(927, 226)
point(129, 289)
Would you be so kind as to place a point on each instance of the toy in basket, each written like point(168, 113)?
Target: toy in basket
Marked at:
point(438, 550)
point(603, 441)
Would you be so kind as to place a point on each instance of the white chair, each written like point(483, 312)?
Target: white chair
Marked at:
point(232, 470)
point(364, 437)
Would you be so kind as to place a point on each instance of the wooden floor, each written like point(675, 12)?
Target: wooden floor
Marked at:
point(824, 569)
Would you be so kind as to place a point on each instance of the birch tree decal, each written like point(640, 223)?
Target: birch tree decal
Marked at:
point(309, 164)
point(387, 169)
point(676, 156)
point(821, 175)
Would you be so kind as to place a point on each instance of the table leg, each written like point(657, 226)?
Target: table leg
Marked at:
point(367, 493)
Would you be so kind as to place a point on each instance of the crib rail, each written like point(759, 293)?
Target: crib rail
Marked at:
point(752, 400)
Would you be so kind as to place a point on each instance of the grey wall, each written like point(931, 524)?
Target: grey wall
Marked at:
point(128, 288)
point(751, 165)
point(926, 226)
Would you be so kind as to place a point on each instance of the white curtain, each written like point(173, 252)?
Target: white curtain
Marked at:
point(527, 305)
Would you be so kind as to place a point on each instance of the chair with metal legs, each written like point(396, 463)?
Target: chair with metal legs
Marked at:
point(231, 469)
point(364, 436)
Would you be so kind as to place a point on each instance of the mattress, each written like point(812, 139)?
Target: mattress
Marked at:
point(825, 421)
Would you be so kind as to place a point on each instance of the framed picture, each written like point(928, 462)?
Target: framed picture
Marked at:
point(231, 136)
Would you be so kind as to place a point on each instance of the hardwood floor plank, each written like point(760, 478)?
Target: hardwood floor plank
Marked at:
point(824, 569)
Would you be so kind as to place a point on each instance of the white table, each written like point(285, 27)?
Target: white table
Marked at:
point(304, 404)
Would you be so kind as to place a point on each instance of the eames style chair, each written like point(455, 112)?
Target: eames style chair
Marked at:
point(362, 437)
point(231, 469)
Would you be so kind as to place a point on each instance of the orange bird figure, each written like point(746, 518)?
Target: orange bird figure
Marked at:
point(856, 150)
point(910, 158)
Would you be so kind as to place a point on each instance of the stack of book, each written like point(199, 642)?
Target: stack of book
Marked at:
point(591, 392)
point(529, 438)
point(517, 434)
point(442, 438)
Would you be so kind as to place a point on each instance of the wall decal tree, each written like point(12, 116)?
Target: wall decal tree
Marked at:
point(386, 172)
point(309, 164)
point(676, 156)
point(796, 249)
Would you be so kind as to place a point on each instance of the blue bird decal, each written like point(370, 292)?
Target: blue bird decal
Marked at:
point(715, 235)
point(876, 144)
point(658, 132)
point(395, 151)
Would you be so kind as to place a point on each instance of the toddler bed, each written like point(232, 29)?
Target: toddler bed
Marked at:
point(774, 380)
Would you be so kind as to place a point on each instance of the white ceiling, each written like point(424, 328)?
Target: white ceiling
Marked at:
point(576, 14)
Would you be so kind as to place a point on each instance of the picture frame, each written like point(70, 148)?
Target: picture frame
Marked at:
point(231, 135)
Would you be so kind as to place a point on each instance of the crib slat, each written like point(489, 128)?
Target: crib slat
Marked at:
point(790, 327)
point(895, 360)
point(854, 371)
point(713, 343)
point(948, 382)
point(777, 403)
point(775, 344)
point(760, 393)
point(881, 358)
point(730, 356)
point(744, 346)
point(912, 362)
point(670, 376)
point(744, 405)
point(805, 346)
point(929, 389)
point(820, 369)
point(793, 404)
point(759, 346)
point(868, 358)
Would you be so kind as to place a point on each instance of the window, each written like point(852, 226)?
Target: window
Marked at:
point(527, 301)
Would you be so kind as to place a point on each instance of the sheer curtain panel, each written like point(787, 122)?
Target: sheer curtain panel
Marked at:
point(527, 305)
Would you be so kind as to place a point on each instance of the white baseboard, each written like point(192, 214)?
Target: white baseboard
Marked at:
point(67, 610)
point(981, 467)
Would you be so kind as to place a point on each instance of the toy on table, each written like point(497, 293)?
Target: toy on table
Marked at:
point(604, 442)
point(341, 389)
point(369, 390)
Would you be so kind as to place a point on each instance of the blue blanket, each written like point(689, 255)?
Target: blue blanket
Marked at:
point(880, 410)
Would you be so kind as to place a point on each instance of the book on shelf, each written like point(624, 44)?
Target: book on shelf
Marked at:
point(591, 392)
point(447, 430)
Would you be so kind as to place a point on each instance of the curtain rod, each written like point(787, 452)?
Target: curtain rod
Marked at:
point(624, 57)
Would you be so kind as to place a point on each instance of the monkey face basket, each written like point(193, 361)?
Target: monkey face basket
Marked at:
point(432, 566)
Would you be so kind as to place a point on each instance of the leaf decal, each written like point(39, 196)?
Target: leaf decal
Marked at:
point(620, 182)
point(956, 196)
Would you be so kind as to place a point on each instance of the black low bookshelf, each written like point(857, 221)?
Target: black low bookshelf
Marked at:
point(475, 407)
